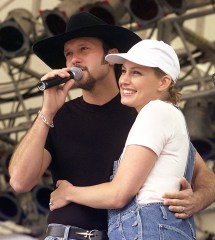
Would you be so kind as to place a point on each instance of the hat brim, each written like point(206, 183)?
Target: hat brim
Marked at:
point(51, 50)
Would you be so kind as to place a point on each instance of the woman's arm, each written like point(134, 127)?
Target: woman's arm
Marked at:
point(135, 166)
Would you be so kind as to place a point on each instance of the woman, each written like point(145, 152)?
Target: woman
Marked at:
point(155, 153)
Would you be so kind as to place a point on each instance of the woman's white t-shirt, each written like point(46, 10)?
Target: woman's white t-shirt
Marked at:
point(161, 127)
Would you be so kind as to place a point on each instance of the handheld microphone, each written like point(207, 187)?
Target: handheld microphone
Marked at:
point(75, 73)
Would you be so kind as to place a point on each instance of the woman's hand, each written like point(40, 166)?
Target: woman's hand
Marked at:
point(59, 197)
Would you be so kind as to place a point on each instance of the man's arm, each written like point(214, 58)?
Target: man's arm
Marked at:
point(30, 159)
point(192, 200)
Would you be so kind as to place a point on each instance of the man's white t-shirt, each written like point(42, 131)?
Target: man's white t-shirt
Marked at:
point(161, 127)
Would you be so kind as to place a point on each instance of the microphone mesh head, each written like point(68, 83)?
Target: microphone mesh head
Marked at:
point(77, 72)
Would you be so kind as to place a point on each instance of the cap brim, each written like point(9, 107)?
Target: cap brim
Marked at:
point(51, 50)
point(116, 58)
point(119, 58)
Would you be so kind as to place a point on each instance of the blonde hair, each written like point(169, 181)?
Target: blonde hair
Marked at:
point(173, 93)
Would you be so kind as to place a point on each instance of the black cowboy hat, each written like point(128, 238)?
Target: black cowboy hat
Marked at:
point(83, 24)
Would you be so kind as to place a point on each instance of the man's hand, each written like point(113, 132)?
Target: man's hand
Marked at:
point(183, 202)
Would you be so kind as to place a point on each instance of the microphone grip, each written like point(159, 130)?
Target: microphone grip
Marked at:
point(43, 85)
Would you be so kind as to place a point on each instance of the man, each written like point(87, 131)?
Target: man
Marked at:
point(79, 140)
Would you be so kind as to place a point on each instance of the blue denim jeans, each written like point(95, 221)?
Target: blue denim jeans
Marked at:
point(151, 221)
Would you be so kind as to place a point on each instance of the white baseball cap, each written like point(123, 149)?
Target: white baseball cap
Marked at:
point(150, 53)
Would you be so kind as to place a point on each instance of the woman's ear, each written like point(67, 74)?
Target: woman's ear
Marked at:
point(165, 83)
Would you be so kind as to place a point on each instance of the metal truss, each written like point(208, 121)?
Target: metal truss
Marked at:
point(196, 54)
point(14, 97)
